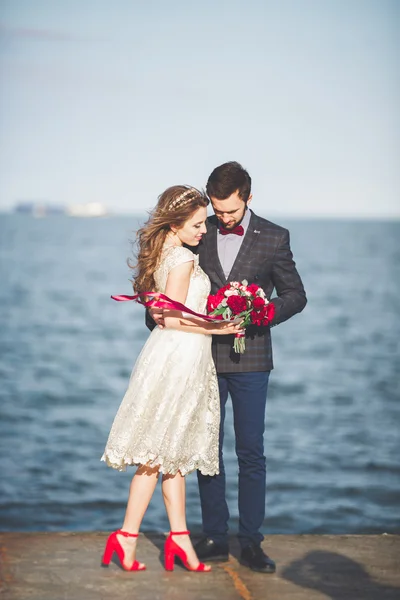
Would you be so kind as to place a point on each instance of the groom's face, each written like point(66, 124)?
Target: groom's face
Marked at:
point(229, 211)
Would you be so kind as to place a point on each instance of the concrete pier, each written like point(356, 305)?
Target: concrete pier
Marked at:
point(66, 566)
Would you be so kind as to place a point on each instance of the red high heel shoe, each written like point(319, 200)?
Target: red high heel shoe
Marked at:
point(113, 545)
point(171, 549)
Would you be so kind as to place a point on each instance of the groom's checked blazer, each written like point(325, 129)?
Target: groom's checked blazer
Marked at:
point(264, 258)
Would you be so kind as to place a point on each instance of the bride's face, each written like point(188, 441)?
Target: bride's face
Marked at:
point(193, 230)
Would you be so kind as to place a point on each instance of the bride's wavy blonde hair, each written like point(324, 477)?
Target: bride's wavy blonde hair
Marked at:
point(175, 206)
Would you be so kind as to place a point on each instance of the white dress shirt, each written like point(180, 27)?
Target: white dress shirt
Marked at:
point(229, 245)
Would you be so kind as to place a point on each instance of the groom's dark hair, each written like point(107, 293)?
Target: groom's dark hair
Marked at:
point(228, 178)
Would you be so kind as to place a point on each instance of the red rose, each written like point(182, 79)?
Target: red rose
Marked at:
point(237, 304)
point(257, 316)
point(212, 303)
point(253, 288)
point(258, 303)
point(270, 312)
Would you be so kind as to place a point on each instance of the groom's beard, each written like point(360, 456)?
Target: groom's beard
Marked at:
point(235, 223)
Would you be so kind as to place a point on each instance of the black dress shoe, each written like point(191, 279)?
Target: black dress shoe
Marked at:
point(207, 549)
point(254, 557)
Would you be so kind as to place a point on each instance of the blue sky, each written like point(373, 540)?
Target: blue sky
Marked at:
point(115, 101)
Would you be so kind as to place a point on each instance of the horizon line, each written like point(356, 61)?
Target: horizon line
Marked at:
point(272, 215)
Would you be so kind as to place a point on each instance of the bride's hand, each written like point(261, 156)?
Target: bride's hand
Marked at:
point(157, 314)
point(227, 328)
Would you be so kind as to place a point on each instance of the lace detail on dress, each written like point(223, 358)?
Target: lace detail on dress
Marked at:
point(199, 288)
point(169, 416)
point(172, 256)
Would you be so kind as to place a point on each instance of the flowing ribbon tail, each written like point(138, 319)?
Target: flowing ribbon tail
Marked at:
point(159, 300)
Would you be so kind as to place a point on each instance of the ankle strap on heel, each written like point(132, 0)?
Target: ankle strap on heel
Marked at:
point(179, 533)
point(126, 533)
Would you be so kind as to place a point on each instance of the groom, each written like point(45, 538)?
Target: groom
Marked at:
point(240, 245)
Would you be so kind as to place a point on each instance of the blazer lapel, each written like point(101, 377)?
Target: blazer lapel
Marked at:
point(250, 238)
point(213, 261)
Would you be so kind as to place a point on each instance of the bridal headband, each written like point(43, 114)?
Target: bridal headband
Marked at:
point(182, 199)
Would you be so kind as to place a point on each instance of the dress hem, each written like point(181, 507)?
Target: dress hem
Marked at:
point(152, 463)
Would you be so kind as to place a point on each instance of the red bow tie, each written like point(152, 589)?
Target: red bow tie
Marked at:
point(237, 230)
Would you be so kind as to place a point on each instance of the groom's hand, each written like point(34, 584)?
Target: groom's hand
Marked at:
point(157, 314)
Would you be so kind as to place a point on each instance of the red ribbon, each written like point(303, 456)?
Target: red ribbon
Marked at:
point(162, 301)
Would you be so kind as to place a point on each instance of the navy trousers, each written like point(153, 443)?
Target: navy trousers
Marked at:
point(248, 392)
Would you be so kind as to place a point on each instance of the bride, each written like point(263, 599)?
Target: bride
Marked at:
point(168, 421)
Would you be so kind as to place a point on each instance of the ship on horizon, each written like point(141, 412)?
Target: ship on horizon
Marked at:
point(40, 209)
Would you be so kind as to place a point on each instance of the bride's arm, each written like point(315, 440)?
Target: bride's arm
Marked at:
point(177, 288)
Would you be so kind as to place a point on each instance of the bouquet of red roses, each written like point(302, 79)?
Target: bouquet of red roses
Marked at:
point(241, 300)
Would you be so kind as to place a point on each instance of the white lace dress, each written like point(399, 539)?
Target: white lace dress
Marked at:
point(169, 416)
